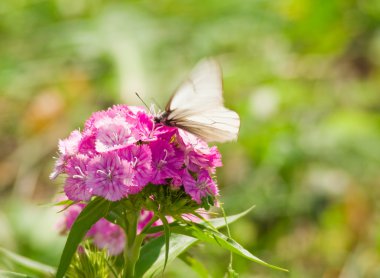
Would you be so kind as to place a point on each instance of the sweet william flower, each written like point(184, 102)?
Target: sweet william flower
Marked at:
point(109, 236)
point(112, 134)
point(67, 148)
point(201, 186)
point(144, 128)
point(87, 144)
point(167, 162)
point(197, 153)
point(76, 182)
point(122, 150)
point(140, 158)
point(110, 177)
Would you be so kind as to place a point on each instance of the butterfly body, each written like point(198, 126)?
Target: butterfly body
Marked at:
point(162, 118)
point(197, 106)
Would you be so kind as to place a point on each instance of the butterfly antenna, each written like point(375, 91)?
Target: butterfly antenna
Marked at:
point(142, 100)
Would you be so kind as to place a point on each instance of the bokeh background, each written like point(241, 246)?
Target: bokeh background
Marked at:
point(304, 77)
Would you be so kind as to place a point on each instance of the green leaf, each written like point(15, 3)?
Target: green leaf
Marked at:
point(196, 265)
point(220, 222)
point(215, 222)
point(206, 234)
point(152, 258)
point(167, 239)
point(116, 215)
point(95, 210)
point(62, 203)
point(21, 263)
point(10, 274)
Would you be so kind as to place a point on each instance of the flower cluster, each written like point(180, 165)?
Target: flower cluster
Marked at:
point(122, 150)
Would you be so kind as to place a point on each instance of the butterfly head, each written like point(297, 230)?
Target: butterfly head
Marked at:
point(162, 118)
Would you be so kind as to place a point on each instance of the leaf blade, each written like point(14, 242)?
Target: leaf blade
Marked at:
point(95, 210)
point(11, 274)
point(167, 239)
point(26, 264)
point(152, 256)
point(206, 234)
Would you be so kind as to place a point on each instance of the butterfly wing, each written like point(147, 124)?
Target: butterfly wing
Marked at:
point(214, 125)
point(197, 106)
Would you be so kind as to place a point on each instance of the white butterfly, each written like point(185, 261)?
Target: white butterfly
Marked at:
point(197, 106)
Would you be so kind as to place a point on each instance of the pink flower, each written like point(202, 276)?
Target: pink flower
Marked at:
point(67, 148)
point(197, 153)
point(109, 176)
point(75, 185)
point(112, 134)
point(59, 167)
point(143, 129)
point(109, 236)
point(140, 157)
point(200, 187)
point(165, 133)
point(145, 217)
point(129, 112)
point(166, 161)
point(87, 144)
point(207, 158)
point(122, 149)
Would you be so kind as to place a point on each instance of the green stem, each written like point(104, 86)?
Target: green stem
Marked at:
point(147, 226)
point(133, 243)
point(230, 268)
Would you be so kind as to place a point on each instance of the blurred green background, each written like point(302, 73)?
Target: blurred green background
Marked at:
point(304, 77)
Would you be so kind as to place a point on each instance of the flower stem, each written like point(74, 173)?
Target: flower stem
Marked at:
point(147, 226)
point(133, 243)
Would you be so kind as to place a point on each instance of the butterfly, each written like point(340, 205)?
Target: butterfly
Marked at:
point(197, 106)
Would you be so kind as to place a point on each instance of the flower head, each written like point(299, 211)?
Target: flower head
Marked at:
point(122, 150)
